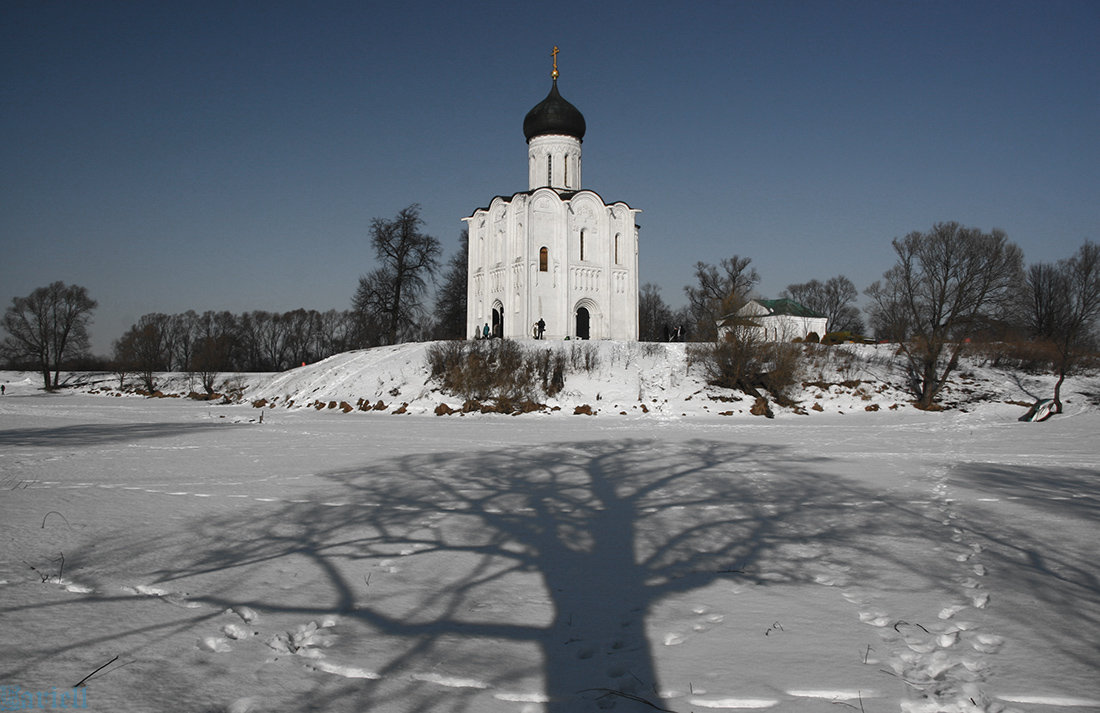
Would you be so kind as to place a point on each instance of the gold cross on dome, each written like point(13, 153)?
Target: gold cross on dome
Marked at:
point(554, 54)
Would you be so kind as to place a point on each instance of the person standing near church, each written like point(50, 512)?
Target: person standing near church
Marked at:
point(542, 327)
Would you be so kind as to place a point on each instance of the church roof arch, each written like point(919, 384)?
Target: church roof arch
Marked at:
point(564, 196)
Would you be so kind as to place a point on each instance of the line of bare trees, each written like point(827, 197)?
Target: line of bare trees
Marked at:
point(950, 286)
point(213, 342)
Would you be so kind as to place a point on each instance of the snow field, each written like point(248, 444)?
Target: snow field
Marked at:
point(322, 561)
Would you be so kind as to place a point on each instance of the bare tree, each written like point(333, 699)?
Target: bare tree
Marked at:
point(333, 331)
point(146, 347)
point(654, 315)
point(299, 328)
point(718, 291)
point(1062, 306)
point(181, 339)
point(215, 340)
point(270, 332)
point(123, 360)
point(946, 283)
point(48, 326)
point(368, 308)
point(835, 299)
point(392, 294)
point(450, 301)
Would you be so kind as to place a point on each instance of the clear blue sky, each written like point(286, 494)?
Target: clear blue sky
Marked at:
point(231, 155)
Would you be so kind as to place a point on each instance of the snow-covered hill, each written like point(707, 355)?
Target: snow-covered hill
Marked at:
point(611, 378)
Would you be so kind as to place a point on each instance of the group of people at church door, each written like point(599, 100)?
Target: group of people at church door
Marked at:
point(537, 331)
point(486, 333)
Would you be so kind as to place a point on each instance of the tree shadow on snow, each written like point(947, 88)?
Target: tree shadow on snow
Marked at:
point(92, 434)
point(498, 567)
point(478, 580)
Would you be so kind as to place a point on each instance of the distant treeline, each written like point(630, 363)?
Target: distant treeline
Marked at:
point(224, 341)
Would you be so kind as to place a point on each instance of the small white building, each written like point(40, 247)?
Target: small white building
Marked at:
point(781, 320)
point(555, 253)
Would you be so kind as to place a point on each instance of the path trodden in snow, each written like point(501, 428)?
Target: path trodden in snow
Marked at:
point(312, 562)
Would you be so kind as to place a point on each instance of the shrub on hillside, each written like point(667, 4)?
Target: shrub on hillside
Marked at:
point(832, 338)
point(583, 357)
point(496, 369)
point(746, 363)
point(1031, 356)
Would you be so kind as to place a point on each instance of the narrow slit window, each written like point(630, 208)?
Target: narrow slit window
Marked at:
point(544, 260)
point(549, 170)
point(582, 244)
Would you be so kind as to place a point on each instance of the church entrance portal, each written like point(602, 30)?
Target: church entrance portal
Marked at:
point(583, 319)
point(498, 321)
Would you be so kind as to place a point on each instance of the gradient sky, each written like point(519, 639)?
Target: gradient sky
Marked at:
point(231, 155)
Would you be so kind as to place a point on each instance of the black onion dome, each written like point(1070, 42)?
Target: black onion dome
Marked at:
point(554, 115)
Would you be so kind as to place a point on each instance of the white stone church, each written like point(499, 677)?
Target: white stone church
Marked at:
point(555, 253)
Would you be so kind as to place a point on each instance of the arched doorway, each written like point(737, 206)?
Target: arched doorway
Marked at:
point(583, 323)
point(498, 320)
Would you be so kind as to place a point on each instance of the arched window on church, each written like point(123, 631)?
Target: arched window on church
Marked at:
point(544, 260)
point(582, 243)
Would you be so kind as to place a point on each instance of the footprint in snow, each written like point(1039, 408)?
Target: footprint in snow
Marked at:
point(874, 618)
point(178, 599)
point(217, 644)
point(987, 643)
point(340, 670)
point(76, 588)
point(236, 632)
point(305, 640)
point(948, 612)
point(247, 614)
